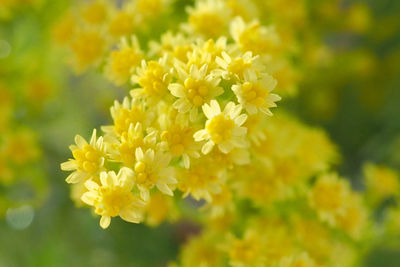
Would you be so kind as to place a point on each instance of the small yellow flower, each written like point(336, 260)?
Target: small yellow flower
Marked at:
point(88, 47)
point(208, 18)
point(124, 150)
point(122, 24)
point(153, 78)
point(236, 67)
point(381, 182)
point(88, 159)
point(254, 37)
point(246, 251)
point(114, 197)
point(123, 61)
point(255, 94)
point(195, 88)
point(95, 13)
point(130, 112)
point(64, 30)
point(222, 128)
point(177, 139)
point(201, 181)
point(151, 169)
point(329, 196)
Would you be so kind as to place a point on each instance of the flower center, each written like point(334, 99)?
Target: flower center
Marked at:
point(88, 158)
point(220, 128)
point(254, 94)
point(113, 200)
point(153, 80)
point(197, 90)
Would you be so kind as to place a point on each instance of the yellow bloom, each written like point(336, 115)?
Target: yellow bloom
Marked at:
point(95, 13)
point(254, 37)
point(153, 78)
point(381, 182)
point(255, 94)
point(21, 147)
point(123, 61)
point(88, 47)
point(64, 30)
point(209, 18)
point(130, 112)
point(329, 197)
point(122, 24)
point(114, 197)
point(124, 149)
point(246, 251)
point(195, 88)
point(151, 169)
point(236, 67)
point(201, 181)
point(88, 159)
point(177, 139)
point(222, 128)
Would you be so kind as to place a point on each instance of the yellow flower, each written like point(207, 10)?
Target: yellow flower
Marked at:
point(158, 209)
point(177, 139)
point(124, 149)
point(196, 88)
point(246, 251)
point(381, 182)
point(95, 13)
point(255, 94)
point(254, 37)
point(236, 67)
point(209, 18)
point(153, 78)
point(177, 45)
point(151, 169)
point(114, 197)
point(64, 30)
point(123, 61)
point(88, 159)
point(201, 181)
point(151, 8)
point(130, 112)
point(329, 197)
point(21, 147)
point(88, 48)
point(122, 24)
point(222, 128)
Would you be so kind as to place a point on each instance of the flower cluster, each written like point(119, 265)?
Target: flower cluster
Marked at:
point(198, 125)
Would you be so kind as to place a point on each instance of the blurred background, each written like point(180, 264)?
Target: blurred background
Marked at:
point(349, 85)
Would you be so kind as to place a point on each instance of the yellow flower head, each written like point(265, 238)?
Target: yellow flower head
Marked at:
point(95, 13)
point(194, 89)
point(201, 181)
point(153, 78)
point(123, 61)
point(87, 47)
point(88, 159)
point(130, 112)
point(209, 18)
point(122, 24)
point(222, 128)
point(152, 169)
point(329, 196)
point(381, 182)
point(114, 197)
point(255, 94)
point(177, 139)
point(254, 37)
point(124, 149)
